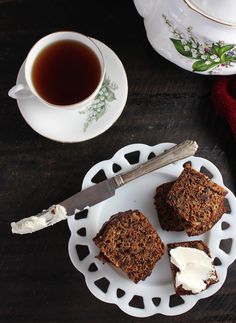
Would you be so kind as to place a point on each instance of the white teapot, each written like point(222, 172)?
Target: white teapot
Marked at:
point(197, 35)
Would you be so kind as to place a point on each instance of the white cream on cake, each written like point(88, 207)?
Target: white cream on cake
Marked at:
point(34, 223)
point(195, 268)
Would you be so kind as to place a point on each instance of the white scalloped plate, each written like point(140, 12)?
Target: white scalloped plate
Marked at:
point(139, 195)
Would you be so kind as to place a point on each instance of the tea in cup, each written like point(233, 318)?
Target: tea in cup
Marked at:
point(64, 70)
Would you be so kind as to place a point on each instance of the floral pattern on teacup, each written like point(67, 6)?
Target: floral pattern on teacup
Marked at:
point(208, 56)
point(101, 103)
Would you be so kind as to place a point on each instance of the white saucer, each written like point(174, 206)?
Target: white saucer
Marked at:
point(76, 126)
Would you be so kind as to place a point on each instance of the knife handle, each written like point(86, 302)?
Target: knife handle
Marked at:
point(183, 150)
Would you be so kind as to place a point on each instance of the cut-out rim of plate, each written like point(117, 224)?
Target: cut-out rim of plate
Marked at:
point(117, 280)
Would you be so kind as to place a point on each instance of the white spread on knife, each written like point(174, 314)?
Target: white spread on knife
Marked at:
point(34, 223)
point(195, 268)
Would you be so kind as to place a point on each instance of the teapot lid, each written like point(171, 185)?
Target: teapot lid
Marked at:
point(221, 11)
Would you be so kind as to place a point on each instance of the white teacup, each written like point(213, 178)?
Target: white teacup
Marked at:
point(28, 90)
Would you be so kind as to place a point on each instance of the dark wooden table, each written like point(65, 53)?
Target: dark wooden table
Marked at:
point(38, 283)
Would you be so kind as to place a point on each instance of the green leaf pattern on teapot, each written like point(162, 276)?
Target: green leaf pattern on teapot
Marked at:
point(208, 56)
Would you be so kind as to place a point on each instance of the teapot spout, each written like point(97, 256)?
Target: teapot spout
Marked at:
point(145, 7)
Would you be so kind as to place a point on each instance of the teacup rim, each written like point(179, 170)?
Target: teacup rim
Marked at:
point(85, 101)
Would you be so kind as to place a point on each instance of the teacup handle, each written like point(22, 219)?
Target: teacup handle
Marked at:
point(20, 91)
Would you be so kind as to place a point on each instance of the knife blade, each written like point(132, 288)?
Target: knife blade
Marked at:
point(92, 195)
point(102, 191)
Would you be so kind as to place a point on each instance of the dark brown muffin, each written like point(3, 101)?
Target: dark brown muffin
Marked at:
point(129, 242)
point(168, 218)
point(198, 244)
point(198, 202)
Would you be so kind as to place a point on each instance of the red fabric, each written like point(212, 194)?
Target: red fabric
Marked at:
point(224, 99)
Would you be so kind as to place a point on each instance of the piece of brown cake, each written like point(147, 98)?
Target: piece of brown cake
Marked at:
point(198, 244)
point(129, 242)
point(197, 201)
point(168, 218)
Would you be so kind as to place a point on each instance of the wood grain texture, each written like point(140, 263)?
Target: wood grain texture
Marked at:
point(38, 283)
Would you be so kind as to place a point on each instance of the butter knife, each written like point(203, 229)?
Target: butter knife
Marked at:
point(101, 191)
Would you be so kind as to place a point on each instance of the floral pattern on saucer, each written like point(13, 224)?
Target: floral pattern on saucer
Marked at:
point(209, 56)
point(69, 126)
point(101, 103)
